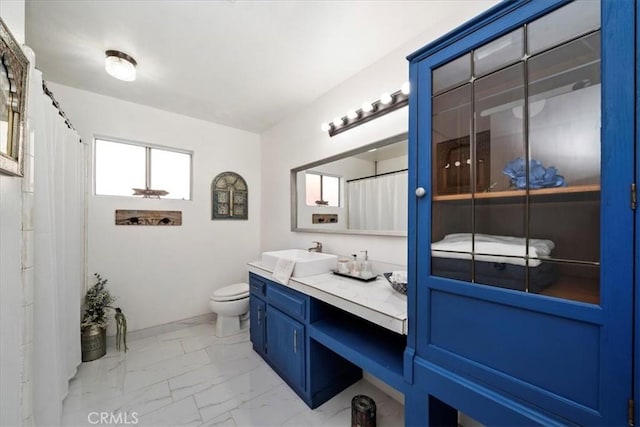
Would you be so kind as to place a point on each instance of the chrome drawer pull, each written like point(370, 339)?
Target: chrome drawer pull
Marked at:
point(295, 341)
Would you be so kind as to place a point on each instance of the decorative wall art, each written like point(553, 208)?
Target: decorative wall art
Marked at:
point(136, 217)
point(229, 197)
point(149, 193)
point(324, 218)
point(14, 66)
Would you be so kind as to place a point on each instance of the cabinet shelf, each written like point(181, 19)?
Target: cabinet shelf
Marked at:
point(576, 289)
point(575, 189)
point(374, 349)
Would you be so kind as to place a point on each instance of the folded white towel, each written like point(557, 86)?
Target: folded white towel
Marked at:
point(283, 270)
point(492, 248)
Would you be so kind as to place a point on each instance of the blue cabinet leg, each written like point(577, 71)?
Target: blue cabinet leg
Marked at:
point(415, 409)
point(422, 410)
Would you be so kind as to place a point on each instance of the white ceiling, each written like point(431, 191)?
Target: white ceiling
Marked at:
point(245, 64)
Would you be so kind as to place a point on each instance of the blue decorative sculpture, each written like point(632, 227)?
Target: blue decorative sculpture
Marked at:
point(539, 176)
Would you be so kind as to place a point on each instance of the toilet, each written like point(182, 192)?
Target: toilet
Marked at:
point(231, 304)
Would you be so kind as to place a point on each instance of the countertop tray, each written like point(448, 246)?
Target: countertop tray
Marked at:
point(362, 279)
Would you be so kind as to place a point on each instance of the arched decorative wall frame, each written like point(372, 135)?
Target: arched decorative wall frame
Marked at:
point(229, 197)
point(14, 67)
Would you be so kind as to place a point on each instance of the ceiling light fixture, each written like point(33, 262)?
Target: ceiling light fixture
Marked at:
point(120, 65)
point(370, 110)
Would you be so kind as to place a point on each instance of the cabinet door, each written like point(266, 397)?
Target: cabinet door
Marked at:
point(286, 344)
point(522, 131)
point(257, 324)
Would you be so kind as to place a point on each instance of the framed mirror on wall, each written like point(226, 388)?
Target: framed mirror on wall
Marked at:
point(13, 85)
point(361, 191)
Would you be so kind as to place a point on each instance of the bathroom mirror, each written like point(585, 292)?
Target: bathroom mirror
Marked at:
point(361, 191)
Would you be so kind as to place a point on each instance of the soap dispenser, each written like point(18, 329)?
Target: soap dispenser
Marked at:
point(354, 268)
point(365, 266)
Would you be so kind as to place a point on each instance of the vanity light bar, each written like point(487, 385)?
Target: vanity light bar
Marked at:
point(369, 111)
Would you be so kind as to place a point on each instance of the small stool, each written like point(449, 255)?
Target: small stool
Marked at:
point(363, 411)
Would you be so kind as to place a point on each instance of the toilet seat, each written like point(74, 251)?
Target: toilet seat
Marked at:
point(231, 293)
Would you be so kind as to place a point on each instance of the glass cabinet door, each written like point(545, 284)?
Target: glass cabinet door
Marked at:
point(515, 131)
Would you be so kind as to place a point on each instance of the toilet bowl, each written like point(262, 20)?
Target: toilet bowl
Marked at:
point(230, 303)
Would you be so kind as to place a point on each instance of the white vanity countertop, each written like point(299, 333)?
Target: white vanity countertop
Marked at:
point(375, 301)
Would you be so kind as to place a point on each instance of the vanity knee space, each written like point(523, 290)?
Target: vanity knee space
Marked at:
point(280, 318)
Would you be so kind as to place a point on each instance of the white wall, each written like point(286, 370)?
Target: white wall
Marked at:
point(163, 274)
point(392, 165)
point(10, 300)
point(298, 140)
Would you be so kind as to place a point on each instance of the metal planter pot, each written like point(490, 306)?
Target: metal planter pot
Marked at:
point(94, 343)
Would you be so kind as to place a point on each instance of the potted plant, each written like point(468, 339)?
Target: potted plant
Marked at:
point(95, 320)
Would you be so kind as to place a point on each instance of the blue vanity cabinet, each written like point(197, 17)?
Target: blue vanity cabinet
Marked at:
point(278, 318)
point(286, 338)
point(257, 314)
point(281, 319)
point(257, 326)
point(521, 237)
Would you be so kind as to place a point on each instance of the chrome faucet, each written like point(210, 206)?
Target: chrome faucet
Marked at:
point(316, 248)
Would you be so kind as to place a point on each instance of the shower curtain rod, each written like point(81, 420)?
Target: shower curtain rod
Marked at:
point(57, 105)
point(377, 175)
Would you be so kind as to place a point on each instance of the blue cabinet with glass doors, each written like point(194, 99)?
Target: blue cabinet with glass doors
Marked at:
point(521, 299)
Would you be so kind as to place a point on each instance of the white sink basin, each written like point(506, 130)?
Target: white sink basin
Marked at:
point(307, 263)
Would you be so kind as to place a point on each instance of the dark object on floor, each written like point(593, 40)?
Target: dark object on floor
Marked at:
point(363, 411)
point(121, 330)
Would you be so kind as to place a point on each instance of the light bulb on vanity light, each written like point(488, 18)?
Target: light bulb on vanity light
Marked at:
point(325, 127)
point(405, 88)
point(352, 114)
point(338, 121)
point(385, 98)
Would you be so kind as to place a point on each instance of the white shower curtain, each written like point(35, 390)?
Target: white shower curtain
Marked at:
point(58, 215)
point(378, 203)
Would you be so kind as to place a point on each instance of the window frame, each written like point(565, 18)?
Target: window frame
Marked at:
point(148, 166)
point(322, 175)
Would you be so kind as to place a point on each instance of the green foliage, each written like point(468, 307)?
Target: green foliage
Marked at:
point(96, 301)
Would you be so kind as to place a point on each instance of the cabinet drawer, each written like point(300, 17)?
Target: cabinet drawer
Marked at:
point(257, 285)
point(289, 302)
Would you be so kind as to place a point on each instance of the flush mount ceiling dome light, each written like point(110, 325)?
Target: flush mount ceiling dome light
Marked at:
point(120, 65)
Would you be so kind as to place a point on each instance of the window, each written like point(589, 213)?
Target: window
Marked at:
point(120, 167)
point(322, 190)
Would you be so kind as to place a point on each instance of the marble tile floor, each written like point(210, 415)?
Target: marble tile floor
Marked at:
point(182, 374)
